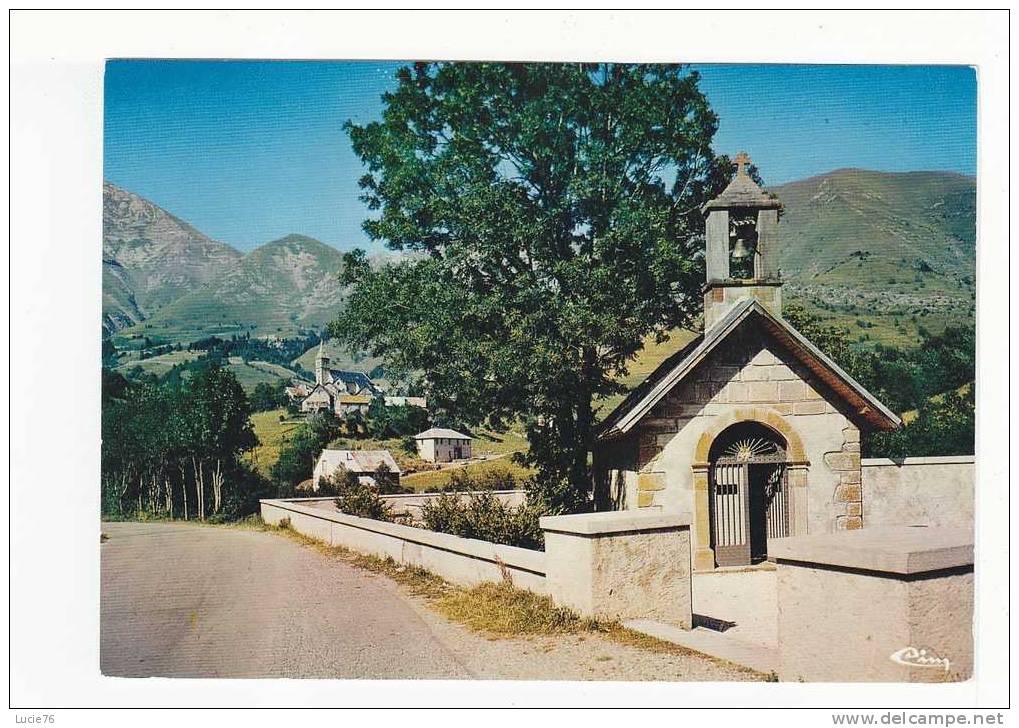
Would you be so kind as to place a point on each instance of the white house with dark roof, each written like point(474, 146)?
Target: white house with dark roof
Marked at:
point(363, 463)
point(750, 428)
point(441, 445)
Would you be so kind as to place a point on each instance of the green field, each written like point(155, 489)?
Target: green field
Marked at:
point(159, 365)
point(339, 358)
point(272, 435)
point(646, 361)
point(251, 374)
point(438, 478)
point(490, 442)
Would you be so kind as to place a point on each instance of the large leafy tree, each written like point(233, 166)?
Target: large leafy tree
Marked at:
point(554, 213)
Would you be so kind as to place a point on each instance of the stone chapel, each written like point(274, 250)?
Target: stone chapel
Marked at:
point(750, 428)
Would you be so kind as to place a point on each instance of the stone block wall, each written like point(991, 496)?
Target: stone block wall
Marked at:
point(931, 491)
point(747, 377)
point(621, 565)
point(880, 604)
point(849, 494)
point(721, 296)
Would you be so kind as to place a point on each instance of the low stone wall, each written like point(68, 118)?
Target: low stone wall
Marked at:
point(411, 503)
point(616, 565)
point(892, 604)
point(932, 491)
point(622, 565)
point(464, 561)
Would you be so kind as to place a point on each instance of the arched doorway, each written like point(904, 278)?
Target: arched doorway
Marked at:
point(748, 493)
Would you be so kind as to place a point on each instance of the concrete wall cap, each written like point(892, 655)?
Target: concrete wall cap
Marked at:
point(592, 524)
point(892, 549)
point(515, 556)
point(932, 460)
point(402, 496)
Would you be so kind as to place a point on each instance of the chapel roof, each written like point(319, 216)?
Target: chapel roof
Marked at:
point(673, 370)
point(742, 191)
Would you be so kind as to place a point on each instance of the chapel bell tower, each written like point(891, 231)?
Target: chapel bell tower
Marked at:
point(741, 255)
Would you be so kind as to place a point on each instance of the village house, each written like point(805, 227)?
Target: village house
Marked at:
point(363, 463)
point(441, 445)
point(750, 427)
point(336, 390)
point(399, 401)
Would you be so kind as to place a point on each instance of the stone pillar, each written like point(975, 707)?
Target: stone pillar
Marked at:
point(717, 239)
point(798, 505)
point(703, 555)
point(848, 497)
point(766, 264)
point(621, 565)
point(890, 604)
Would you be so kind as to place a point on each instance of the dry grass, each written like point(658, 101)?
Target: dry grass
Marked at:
point(495, 609)
point(502, 609)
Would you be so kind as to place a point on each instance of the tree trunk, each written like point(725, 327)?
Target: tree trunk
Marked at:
point(199, 490)
point(183, 487)
point(123, 492)
point(217, 486)
point(580, 473)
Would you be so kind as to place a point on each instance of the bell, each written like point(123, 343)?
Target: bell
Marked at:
point(740, 250)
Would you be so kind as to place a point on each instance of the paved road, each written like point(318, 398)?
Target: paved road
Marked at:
point(182, 600)
point(193, 601)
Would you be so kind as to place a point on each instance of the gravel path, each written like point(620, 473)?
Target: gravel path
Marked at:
point(182, 600)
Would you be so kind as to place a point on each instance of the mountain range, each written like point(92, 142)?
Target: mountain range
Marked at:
point(151, 258)
point(165, 280)
point(884, 253)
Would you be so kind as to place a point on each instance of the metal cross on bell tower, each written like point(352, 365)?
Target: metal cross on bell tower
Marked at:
point(742, 160)
point(747, 217)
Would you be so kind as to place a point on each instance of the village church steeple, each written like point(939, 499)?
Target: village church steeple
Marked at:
point(321, 363)
point(741, 255)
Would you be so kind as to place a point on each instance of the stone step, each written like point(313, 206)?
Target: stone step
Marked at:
point(709, 642)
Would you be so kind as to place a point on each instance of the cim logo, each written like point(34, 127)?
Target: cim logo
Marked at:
point(920, 657)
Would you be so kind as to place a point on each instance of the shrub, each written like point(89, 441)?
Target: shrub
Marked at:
point(484, 516)
point(356, 498)
point(942, 427)
point(556, 497)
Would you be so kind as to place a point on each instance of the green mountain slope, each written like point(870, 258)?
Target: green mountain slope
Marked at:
point(892, 252)
point(151, 258)
point(884, 253)
point(278, 289)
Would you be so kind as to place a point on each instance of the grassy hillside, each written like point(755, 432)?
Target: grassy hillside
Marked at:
point(647, 360)
point(250, 374)
point(439, 478)
point(151, 258)
point(272, 434)
point(159, 365)
point(279, 289)
point(339, 358)
point(881, 253)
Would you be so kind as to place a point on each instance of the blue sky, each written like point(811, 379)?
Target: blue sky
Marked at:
point(250, 151)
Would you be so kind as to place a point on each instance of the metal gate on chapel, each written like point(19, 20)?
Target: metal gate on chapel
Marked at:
point(748, 497)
